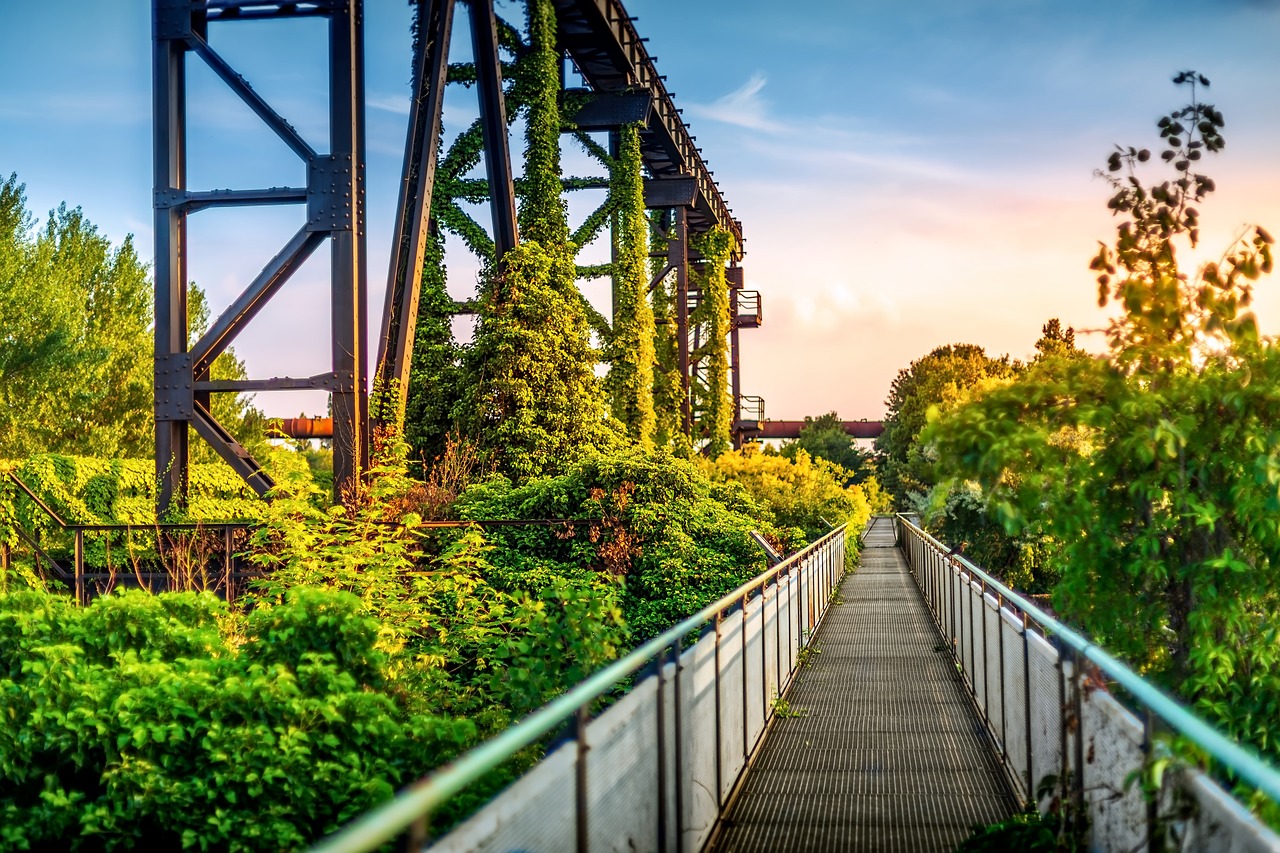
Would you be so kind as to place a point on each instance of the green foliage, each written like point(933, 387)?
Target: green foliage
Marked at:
point(162, 721)
point(435, 375)
point(630, 350)
point(1159, 463)
point(941, 380)
point(824, 437)
point(668, 387)
point(676, 540)
point(542, 211)
point(801, 493)
point(713, 403)
point(75, 358)
point(533, 403)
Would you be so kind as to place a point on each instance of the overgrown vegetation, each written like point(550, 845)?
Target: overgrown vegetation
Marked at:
point(1158, 462)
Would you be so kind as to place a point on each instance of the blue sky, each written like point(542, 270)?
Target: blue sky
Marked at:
point(908, 174)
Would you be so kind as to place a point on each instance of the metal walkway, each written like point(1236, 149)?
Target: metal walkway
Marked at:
point(887, 753)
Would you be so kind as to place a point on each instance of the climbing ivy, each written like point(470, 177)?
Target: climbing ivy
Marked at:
point(630, 350)
point(435, 376)
point(713, 402)
point(542, 212)
point(533, 402)
point(668, 388)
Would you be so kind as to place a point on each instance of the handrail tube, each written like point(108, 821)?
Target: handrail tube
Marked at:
point(1243, 761)
point(389, 820)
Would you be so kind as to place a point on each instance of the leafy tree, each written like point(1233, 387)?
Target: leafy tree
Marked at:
point(1056, 343)
point(75, 358)
point(824, 437)
point(801, 492)
point(1155, 470)
point(941, 380)
point(712, 401)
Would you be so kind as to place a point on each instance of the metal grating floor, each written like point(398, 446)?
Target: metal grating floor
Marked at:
point(889, 754)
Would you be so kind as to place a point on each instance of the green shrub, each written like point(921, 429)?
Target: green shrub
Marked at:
point(165, 720)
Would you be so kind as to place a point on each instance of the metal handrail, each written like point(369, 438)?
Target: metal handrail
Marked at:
point(391, 819)
point(1241, 760)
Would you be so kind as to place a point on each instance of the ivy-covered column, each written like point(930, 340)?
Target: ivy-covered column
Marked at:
point(631, 348)
point(533, 400)
point(667, 382)
point(714, 403)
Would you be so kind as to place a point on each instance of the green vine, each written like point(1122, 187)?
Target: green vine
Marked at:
point(667, 384)
point(712, 400)
point(630, 352)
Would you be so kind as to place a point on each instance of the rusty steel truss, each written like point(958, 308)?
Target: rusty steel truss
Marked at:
point(600, 39)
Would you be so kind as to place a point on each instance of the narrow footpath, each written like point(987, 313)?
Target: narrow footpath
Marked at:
point(887, 753)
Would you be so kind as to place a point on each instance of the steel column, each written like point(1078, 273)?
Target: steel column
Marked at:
point(335, 207)
point(346, 131)
point(493, 126)
point(413, 213)
point(170, 22)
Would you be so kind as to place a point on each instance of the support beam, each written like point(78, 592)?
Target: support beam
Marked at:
point(347, 261)
point(413, 213)
point(661, 193)
point(169, 138)
point(493, 125)
point(735, 364)
point(334, 196)
point(607, 111)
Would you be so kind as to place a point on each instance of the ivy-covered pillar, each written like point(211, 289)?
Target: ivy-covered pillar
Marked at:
point(631, 348)
point(678, 257)
point(715, 408)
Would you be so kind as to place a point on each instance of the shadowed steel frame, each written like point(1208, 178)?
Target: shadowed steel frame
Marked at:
point(334, 199)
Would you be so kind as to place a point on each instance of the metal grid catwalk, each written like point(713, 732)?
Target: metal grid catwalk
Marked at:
point(888, 753)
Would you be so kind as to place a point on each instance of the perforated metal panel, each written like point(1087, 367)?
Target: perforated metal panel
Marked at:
point(1112, 750)
point(536, 814)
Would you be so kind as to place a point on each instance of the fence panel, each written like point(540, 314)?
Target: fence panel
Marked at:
point(1046, 718)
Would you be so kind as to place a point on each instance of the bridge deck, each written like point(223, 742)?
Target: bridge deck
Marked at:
point(888, 753)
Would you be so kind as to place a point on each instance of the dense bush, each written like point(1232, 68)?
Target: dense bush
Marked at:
point(676, 539)
point(165, 721)
point(802, 494)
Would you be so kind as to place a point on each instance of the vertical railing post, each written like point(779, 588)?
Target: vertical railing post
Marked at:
point(1026, 689)
point(678, 732)
point(580, 783)
point(986, 680)
point(719, 727)
point(746, 723)
point(1065, 764)
point(82, 593)
point(1078, 664)
point(1152, 794)
point(228, 562)
point(662, 751)
point(1004, 706)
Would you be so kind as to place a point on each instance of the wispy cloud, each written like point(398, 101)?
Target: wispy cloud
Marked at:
point(397, 104)
point(742, 107)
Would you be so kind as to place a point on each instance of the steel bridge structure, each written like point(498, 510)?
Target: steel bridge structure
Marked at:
point(598, 37)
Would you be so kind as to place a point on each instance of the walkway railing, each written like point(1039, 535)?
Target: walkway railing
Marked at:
point(1041, 688)
point(656, 769)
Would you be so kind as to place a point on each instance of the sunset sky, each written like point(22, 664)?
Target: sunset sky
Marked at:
point(907, 174)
